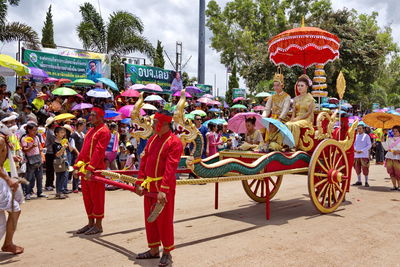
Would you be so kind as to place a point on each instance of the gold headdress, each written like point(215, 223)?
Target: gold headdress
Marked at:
point(278, 77)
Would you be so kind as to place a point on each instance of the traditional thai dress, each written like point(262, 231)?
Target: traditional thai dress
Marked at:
point(275, 141)
point(301, 105)
point(392, 160)
point(277, 106)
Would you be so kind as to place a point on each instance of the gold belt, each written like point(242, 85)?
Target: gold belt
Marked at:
point(148, 180)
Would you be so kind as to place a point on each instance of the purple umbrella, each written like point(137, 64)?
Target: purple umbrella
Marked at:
point(193, 90)
point(226, 105)
point(178, 93)
point(37, 73)
point(82, 106)
point(137, 86)
point(127, 110)
point(237, 123)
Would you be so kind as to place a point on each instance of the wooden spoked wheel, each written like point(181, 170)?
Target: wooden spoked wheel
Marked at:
point(328, 176)
point(257, 189)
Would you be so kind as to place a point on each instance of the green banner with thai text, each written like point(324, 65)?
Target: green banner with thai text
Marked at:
point(58, 66)
point(147, 74)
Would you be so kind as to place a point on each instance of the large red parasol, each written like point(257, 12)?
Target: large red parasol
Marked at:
point(304, 47)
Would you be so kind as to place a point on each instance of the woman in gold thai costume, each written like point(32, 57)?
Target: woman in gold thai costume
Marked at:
point(303, 108)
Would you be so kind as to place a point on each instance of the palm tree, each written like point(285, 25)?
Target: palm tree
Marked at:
point(120, 36)
point(16, 31)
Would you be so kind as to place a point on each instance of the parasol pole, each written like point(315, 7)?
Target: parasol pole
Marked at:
point(340, 88)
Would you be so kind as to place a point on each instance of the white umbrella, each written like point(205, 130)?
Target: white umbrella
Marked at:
point(99, 93)
point(153, 98)
point(263, 94)
point(149, 107)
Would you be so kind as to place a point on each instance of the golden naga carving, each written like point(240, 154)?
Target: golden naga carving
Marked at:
point(320, 133)
point(306, 143)
point(347, 143)
point(184, 128)
point(141, 126)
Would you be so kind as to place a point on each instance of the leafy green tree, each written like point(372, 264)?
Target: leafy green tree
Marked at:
point(47, 31)
point(121, 35)
point(16, 31)
point(242, 29)
point(233, 83)
point(186, 80)
point(158, 60)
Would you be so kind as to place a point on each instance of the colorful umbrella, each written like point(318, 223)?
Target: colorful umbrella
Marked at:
point(153, 87)
point(149, 107)
point(239, 106)
point(63, 81)
point(207, 96)
point(126, 121)
point(37, 73)
point(333, 100)
point(238, 99)
point(199, 112)
point(381, 120)
point(189, 116)
point(259, 108)
point(204, 100)
point(9, 66)
point(130, 93)
point(226, 105)
point(178, 93)
point(237, 123)
point(215, 121)
point(193, 90)
point(64, 116)
point(50, 80)
point(111, 113)
point(137, 86)
point(109, 83)
point(64, 91)
point(304, 47)
point(263, 94)
point(99, 93)
point(217, 110)
point(82, 106)
point(126, 110)
point(215, 102)
point(284, 130)
point(332, 106)
point(83, 82)
point(153, 98)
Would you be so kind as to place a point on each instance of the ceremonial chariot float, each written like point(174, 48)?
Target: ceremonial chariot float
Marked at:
point(319, 157)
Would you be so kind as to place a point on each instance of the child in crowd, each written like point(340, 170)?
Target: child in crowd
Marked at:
point(60, 160)
point(130, 164)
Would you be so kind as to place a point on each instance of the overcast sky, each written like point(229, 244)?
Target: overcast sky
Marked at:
point(165, 20)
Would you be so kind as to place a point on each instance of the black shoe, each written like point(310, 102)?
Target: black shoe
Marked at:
point(67, 192)
point(42, 195)
point(166, 260)
point(366, 185)
point(394, 188)
point(357, 184)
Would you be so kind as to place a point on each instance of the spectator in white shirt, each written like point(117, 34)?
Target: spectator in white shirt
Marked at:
point(392, 146)
point(362, 145)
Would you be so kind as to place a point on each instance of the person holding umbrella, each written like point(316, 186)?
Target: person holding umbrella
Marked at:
point(392, 146)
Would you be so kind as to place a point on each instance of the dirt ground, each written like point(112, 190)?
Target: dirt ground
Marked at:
point(363, 232)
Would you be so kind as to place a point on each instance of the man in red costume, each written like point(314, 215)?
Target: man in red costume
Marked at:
point(340, 134)
point(157, 181)
point(92, 158)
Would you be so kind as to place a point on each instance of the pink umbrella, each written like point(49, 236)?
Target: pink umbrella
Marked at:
point(126, 110)
point(178, 93)
point(153, 87)
point(214, 102)
point(204, 100)
point(50, 80)
point(131, 93)
point(137, 86)
point(237, 123)
point(82, 106)
point(238, 99)
point(208, 96)
point(258, 108)
point(79, 96)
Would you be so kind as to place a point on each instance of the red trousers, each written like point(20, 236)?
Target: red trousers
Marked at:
point(161, 231)
point(93, 197)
